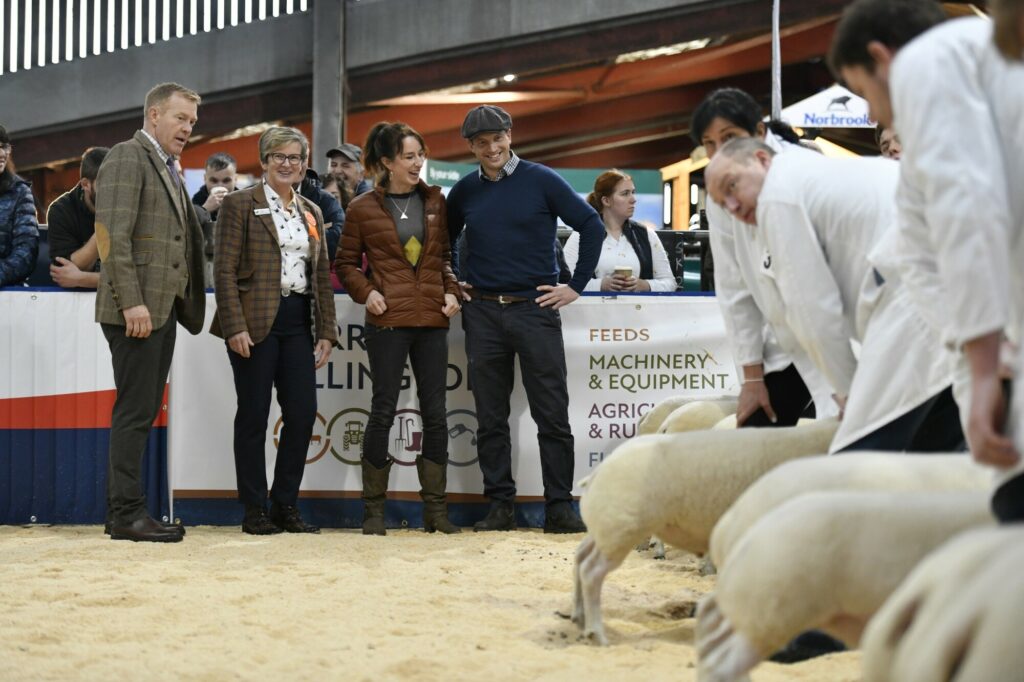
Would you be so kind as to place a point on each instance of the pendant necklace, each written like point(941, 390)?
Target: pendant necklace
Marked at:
point(402, 210)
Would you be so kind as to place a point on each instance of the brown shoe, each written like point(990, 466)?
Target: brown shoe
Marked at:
point(145, 529)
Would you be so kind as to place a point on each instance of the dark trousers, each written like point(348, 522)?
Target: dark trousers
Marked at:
point(140, 373)
point(495, 334)
point(427, 351)
point(284, 359)
point(789, 397)
point(932, 426)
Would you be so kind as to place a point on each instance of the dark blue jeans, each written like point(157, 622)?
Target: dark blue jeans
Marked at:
point(284, 359)
point(932, 426)
point(495, 335)
point(427, 351)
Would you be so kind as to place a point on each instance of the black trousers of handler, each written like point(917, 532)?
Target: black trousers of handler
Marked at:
point(427, 351)
point(789, 397)
point(284, 359)
point(932, 426)
point(140, 374)
point(495, 334)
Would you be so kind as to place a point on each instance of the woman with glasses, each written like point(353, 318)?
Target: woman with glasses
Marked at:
point(275, 310)
point(410, 293)
point(19, 228)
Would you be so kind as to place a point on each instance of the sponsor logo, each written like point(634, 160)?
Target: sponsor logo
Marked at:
point(344, 434)
point(839, 103)
point(834, 120)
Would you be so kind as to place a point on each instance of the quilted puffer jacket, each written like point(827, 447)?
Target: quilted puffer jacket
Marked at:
point(19, 230)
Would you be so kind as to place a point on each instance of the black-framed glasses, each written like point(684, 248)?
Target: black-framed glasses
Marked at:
point(280, 159)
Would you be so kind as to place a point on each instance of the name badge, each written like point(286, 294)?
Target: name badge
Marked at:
point(261, 211)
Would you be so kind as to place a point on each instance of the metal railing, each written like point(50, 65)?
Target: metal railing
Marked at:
point(37, 33)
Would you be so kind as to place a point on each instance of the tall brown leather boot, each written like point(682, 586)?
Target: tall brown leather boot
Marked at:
point(433, 483)
point(375, 489)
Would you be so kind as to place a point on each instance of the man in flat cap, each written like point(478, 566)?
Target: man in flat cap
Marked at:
point(345, 164)
point(510, 208)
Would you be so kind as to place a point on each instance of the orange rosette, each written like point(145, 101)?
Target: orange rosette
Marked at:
point(311, 224)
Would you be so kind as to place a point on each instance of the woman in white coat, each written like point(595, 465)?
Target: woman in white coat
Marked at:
point(627, 244)
point(779, 380)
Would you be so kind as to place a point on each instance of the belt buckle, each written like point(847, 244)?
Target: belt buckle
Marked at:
point(502, 300)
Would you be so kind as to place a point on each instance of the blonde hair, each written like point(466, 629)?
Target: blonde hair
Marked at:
point(159, 95)
point(276, 137)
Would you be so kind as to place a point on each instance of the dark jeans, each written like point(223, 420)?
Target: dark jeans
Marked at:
point(932, 426)
point(284, 359)
point(427, 351)
point(140, 373)
point(495, 334)
point(789, 397)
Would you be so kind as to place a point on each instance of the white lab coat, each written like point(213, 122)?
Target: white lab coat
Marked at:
point(959, 112)
point(754, 315)
point(821, 218)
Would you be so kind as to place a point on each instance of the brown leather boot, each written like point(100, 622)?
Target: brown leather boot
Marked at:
point(433, 483)
point(375, 489)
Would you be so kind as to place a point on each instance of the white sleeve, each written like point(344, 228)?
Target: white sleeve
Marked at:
point(744, 323)
point(952, 153)
point(663, 280)
point(814, 304)
point(571, 251)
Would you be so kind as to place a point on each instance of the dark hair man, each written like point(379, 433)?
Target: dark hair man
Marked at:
point(219, 178)
point(151, 245)
point(509, 208)
point(961, 212)
point(71, 223)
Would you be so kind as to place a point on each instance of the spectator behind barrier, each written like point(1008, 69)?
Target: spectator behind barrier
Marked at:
point(346, 165)
point(632, 256)
point(219, 178)
point(19, 228)
point(888, 142)
point(71, 223)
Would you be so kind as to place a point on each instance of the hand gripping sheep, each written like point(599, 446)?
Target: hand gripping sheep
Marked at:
point(883, 472)
point(676, 487)
point(826, 560)
point(956, 617)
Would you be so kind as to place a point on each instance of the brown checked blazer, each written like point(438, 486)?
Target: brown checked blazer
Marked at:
point(247, 269)
point(147, 234)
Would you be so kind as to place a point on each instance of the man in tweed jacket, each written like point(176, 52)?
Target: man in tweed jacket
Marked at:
point(151, 248)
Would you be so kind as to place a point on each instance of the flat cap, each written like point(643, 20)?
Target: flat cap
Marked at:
point(485, 118)
point(347, 149)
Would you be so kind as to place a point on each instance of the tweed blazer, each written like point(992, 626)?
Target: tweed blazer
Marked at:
point(147, 233)
point(247, 268)
point(414, 295)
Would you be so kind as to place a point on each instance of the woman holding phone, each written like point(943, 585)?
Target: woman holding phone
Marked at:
point(632, 256)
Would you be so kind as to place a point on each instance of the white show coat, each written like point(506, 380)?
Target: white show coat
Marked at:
point(821, 218)
point(959, 112)
point(616, 252)
point(754, 315)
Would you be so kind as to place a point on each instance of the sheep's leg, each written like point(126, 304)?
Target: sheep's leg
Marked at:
point(723, 654)
point(594, 567)
point(582, 552)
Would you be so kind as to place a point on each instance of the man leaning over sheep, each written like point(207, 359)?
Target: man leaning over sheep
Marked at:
point(826, 226)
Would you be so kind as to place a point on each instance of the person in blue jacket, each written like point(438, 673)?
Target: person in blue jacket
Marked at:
point(19, 228)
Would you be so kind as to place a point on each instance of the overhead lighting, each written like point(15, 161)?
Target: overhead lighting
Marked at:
point(508, 77)
point(666, 51)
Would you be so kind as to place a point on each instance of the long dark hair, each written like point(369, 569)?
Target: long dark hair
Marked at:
point(740, 109)
point(384, 141)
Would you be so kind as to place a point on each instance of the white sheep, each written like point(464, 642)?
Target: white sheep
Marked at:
point(855, 471)
point(676, 487)
point(652, 420)
point(825, 561)
point(957, 616)
point(698, 415)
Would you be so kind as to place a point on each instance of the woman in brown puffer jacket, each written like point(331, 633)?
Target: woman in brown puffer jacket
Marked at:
point(410, 293)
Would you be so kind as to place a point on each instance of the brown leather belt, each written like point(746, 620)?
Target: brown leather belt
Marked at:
point(503, 299)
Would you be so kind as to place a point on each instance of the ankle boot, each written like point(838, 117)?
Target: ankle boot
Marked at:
point(375, 489)
point(433, 483)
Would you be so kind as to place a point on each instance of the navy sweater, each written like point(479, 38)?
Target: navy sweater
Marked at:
point(511, 230)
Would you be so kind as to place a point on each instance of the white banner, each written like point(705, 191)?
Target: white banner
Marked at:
point(624, 355)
